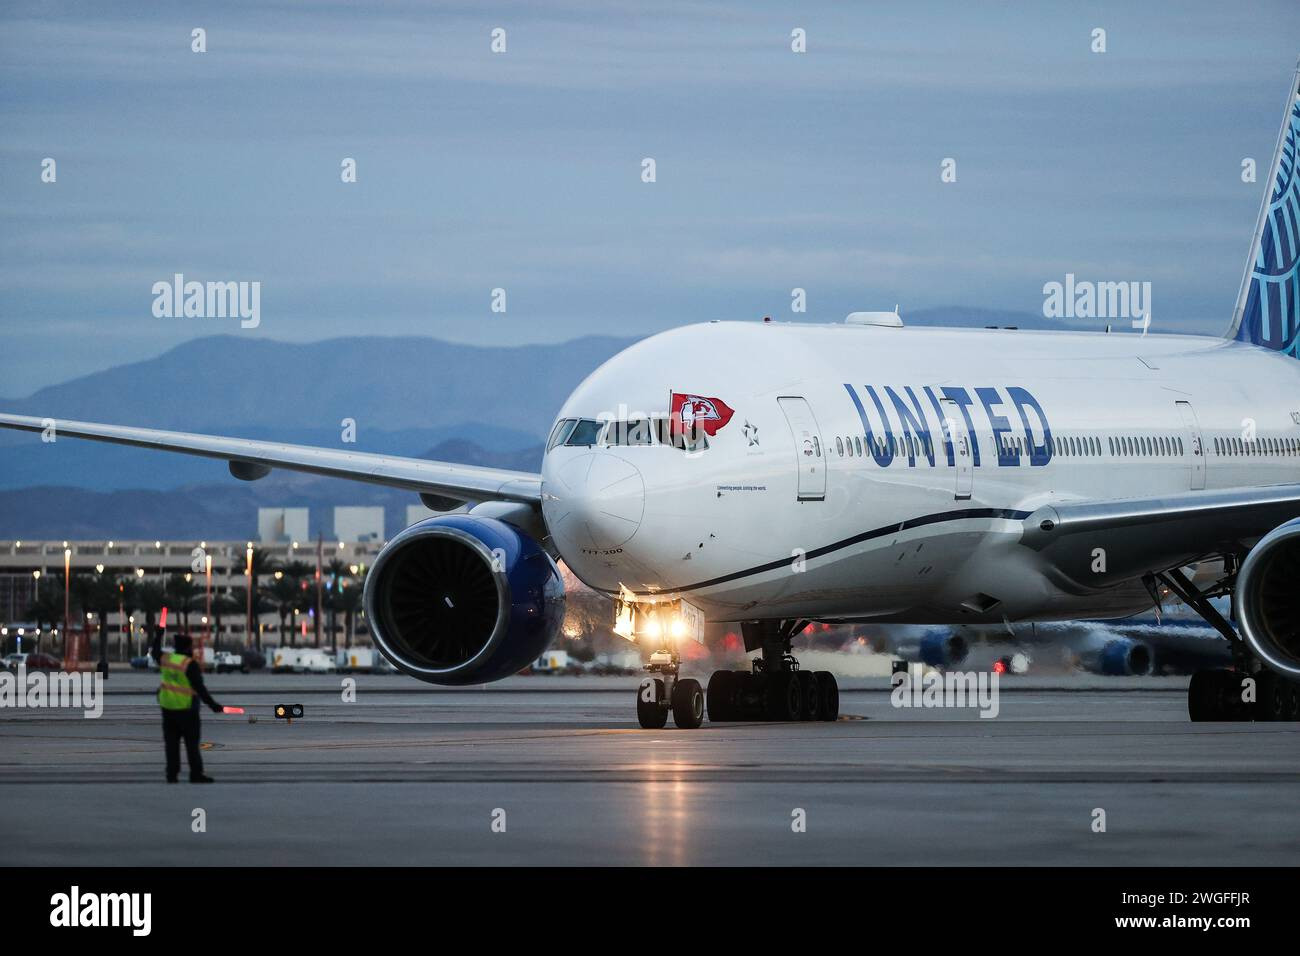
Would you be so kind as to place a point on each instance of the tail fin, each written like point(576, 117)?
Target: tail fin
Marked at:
point(1268, 305)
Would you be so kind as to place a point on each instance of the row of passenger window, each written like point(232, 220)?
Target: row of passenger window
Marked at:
point(1063, 446)
point(1241, 448)
point(1147, 446)
point(911, 445)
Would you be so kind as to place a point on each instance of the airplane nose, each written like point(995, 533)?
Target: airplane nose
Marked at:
point(599, 500)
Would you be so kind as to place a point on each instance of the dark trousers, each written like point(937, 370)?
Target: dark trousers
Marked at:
point(178, 724)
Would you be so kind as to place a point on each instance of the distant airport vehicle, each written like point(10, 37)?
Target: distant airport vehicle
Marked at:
point(316, 661)
point(551, 662)
point(362, 660)
point(224, 662)
point(32, 662)
point(303, 660)
point(776, 474)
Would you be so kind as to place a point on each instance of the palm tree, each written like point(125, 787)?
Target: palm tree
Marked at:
point(336, 571)
point(301, 574)
point(47, 609)
point(150, 597)
point(222, 605)
point(239, 596)
point(349, 600)
point(260, 564)
point(99, 597)
point(184, 592)
point(128, 591)
point(285, 594)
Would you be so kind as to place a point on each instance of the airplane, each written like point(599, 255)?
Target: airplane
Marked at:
point(776, 474)
point(1129, 647)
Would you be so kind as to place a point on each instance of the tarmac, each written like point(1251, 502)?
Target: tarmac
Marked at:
point(555, 770)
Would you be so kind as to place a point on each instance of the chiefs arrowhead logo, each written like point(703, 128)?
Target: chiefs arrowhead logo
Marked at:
point(698, 412)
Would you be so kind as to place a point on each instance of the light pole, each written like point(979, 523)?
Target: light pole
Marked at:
point(100, 622)
point(248, 630)
point(207, 611)
point(67, 599)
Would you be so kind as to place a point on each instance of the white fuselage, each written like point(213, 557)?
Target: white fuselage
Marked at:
point(764, 524)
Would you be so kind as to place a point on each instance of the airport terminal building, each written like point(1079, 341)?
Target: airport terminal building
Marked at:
point(306, 589)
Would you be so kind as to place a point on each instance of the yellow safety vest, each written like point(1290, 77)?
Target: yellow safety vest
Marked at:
point(175, 692)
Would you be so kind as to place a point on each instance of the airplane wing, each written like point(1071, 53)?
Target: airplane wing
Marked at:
point(441, 485)
point(1090, 545)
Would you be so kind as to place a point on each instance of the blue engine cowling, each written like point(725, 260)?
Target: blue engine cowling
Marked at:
point(936, 646)
point(1118, 657)
point(463, 600)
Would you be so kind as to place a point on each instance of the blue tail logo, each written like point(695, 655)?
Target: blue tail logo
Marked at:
point(1268, 307)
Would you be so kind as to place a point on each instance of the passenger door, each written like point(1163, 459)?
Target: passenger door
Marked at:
point(1195, 448)
point(962, 455)
point(809, 454)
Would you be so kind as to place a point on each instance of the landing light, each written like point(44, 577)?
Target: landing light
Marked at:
point(657, 620)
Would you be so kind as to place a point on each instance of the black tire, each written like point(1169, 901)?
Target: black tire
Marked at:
point(688, 704)
point(723, 686)
point(1293, 701)
point(810, 690)
point(1272, 693)
point(829, 689)
point(783, 701)
point(1205, 695)
point(652, 715)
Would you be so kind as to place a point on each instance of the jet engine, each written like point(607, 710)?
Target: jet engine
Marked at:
point(458, 599)
point(1268, 608)
point(1117, 657)
point(937, 647)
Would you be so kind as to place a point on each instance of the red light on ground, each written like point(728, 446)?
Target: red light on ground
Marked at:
point(826, 627)
point(809, 629)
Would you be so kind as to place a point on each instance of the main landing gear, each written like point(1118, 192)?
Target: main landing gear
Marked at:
point(775, 689)
point(1247, 690)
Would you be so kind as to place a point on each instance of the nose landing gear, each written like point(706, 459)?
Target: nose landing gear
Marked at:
point(665, 691)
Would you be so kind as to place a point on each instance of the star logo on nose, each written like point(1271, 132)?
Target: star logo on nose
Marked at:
point(751, 432)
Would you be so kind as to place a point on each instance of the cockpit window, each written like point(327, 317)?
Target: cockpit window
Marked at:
point(586, 431)
point(634, 432)
point(563, 428)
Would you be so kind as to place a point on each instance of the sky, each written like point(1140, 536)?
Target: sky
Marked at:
point(523, 170)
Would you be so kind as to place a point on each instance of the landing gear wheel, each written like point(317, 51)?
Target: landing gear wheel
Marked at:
point(722, 696)
point(688, 704)
point(1214, 695)
point(830, 694)
point(651, 714)
point(1293, 701)
point(810, 690)
point(1273, 694)
point(783, 700)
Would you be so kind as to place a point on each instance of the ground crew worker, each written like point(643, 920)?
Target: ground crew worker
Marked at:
point(178, 696)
